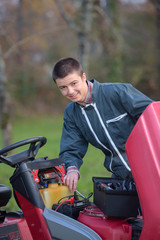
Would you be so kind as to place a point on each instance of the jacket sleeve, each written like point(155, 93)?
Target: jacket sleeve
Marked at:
point(133, 100)
point(73, 146)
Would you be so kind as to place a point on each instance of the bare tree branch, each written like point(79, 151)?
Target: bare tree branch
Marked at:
point(27, 39)
point(3, 33)
point(69, 21)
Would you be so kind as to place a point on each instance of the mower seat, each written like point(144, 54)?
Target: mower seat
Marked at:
point(5, 195)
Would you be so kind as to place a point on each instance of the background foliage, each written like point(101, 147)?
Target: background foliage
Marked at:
point(34, 35)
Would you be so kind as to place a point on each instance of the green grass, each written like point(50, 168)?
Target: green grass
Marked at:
point(51, 127)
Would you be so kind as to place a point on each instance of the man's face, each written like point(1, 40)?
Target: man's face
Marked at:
point(73, 87)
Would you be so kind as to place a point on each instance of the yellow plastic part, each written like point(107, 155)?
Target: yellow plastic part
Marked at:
point(54, 193)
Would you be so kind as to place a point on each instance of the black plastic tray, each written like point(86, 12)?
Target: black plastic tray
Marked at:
point(118, 203)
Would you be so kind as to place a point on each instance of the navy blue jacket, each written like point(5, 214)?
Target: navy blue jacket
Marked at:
point(106, 124)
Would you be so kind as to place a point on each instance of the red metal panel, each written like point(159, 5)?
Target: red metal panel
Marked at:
point(143, 151)
point(34, 219)
point(14, 228)
point(108, 228)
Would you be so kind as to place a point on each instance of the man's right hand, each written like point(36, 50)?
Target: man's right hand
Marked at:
point(71, 180)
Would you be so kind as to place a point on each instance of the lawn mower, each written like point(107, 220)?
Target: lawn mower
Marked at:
point(48, 210)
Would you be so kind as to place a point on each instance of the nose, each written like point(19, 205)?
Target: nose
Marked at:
point(70, 90)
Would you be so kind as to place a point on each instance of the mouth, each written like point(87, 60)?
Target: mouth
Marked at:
point(73, 96)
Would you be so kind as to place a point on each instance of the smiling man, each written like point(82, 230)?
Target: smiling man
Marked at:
point(73, 86)
point(102, 114)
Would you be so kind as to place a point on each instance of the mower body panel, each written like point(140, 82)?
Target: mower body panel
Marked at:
point(15, 228)
point(108, 228)
point(63, 227)
point(143, 151)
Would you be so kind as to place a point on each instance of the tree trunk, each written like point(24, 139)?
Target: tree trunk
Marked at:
point(5, 123)
point(82, 29)
point(158, 46)
point(84, 33)
point(115, 43)
point(156, 4)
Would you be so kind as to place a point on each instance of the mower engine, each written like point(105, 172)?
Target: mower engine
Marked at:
point(109, 225)
point(56, 195)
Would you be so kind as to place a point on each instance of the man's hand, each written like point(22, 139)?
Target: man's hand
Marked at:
point(71, 180)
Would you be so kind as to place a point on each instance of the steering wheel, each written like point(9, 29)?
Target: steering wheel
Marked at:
point(26, 155)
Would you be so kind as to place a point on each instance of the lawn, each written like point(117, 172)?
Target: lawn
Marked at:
point(50, 127)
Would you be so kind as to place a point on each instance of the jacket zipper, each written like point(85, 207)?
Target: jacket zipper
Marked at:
point(97, 139)
point(107, 134)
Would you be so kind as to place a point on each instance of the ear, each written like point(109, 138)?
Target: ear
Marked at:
point(84, 76)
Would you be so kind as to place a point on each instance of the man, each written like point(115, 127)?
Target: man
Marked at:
point(102, 114)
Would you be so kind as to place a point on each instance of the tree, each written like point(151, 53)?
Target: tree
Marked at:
point(98, 13)
point(111, 37)
point(81, 27)
point(156, 3)
point(5, 116)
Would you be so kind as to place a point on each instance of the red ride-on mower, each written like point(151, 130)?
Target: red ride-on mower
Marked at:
point(50, 211)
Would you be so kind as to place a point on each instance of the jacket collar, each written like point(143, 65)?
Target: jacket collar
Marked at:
point(88, 99)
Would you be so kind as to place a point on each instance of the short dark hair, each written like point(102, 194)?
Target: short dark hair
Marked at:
point(66, 66)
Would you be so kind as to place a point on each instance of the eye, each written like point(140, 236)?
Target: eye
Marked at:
point(62, 87)
point(74, 83)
